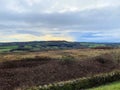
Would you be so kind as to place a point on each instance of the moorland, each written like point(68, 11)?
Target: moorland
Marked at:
point(29, 65)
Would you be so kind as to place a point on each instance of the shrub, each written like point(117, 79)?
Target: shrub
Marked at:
point(66, 59)
point(104, 58)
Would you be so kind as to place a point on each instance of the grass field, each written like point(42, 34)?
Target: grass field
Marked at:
point(7, 48)
point(112, 86)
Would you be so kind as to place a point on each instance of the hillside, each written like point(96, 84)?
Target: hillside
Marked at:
point(51, 45)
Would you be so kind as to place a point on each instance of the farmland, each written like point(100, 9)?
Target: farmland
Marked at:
point(50, 45)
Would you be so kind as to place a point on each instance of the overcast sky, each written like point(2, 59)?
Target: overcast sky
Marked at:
point(71, 20)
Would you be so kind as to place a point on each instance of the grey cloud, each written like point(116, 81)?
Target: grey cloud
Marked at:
point(95, 19)
point(34, 21)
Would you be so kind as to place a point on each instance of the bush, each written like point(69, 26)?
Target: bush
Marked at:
point(104, 58)
point(67, 59)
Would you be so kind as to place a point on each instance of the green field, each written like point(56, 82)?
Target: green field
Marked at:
point(112, 86)
point(7, 48)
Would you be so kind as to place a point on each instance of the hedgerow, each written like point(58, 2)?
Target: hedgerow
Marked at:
point(82, 83)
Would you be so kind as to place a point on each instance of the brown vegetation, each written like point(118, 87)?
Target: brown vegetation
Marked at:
point(44, 70)
point(76, 53)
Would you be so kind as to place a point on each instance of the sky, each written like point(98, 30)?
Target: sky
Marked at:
point(70, 20)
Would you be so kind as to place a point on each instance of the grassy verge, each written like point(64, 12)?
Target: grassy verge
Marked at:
point(112, 86)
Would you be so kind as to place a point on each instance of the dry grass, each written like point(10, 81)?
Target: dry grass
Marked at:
point(76, 53)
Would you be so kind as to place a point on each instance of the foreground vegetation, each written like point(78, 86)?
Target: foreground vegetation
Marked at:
point(33, 70)
point(111, 86)
point(83, 83)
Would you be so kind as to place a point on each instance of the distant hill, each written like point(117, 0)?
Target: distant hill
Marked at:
point(52, 45)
